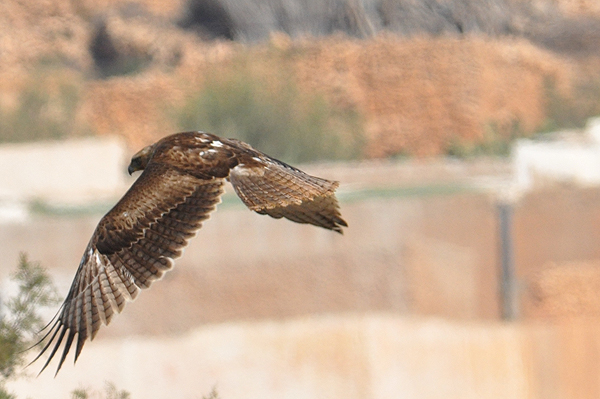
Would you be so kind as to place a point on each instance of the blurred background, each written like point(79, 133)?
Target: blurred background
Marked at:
point(463, 133)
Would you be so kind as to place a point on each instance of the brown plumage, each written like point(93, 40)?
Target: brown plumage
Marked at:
point(137, 241)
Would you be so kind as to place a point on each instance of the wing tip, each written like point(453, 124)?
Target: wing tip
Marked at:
point(338, 224)
point(55, 347)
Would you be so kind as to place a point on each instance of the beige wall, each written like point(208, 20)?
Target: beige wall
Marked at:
point(68, 172)
point(380, 355)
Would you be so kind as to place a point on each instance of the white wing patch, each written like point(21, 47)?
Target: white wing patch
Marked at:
point(201, 139)
point(243, 170)
point(97, 257)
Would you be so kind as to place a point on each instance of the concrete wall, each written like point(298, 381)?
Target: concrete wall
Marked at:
point(406, 254)
point(71, 172)
point(572, 157)
point(430, 255)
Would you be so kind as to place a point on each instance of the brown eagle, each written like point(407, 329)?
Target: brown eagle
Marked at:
point(137, 241)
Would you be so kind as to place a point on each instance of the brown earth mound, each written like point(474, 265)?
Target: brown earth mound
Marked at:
point(419, 94)
point(416, 96)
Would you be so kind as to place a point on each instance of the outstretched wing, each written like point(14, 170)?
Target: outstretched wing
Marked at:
point(273, 188)
point(133, 245)
point(138, 240)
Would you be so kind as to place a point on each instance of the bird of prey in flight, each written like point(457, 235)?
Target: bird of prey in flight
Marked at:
point(137, 241)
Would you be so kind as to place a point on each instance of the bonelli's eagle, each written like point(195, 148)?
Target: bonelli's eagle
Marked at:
point(136, 242)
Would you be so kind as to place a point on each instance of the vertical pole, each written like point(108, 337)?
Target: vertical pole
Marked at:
point(508, 280)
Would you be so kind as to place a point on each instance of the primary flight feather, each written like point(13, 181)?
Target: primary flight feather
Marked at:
point(137, 241)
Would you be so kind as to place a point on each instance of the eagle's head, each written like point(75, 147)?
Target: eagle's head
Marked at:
point(140, 159)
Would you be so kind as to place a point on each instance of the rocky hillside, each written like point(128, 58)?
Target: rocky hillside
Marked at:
point(425, 78)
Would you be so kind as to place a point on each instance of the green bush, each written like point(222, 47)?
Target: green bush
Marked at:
point(563, 111)
point(496, 141)
point(273, 117)
point(20, 324)
point(46, 108)
point(572, 110)
point(110, 392)
point(20, 320)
